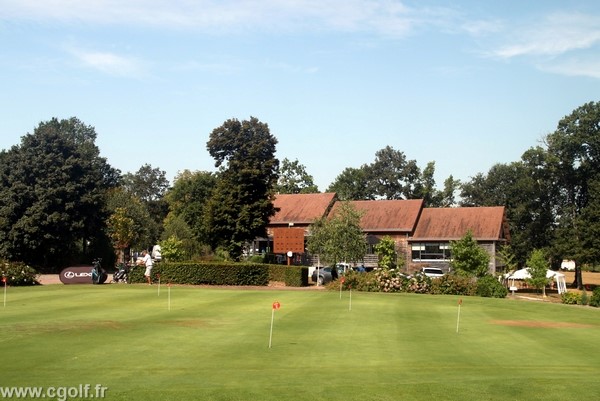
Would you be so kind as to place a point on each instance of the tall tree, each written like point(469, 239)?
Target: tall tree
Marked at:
point(523, 188)
point(242, 202)
point(128, 221)
point(574, 151)
point(188, 199)
point(352, 184)
point(150, 185)
point(52, 194)
point(392, 176)
point(293, 179)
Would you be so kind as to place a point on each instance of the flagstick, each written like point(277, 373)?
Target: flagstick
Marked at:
point(4, 292)
point(458, 317)
point(158, 286)
point(350, 305)
point(271, 332)
point(169, 297)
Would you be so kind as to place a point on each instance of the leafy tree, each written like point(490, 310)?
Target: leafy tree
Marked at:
point(150, 186)
point(128, 221)
point(392, 176)
point(538, 267)
point(386, 251)
point(468, 258)
point(293, 179)
point(522, 187)
point(507, 257)
point(338, 238)
point(574, 157)
point(52, 195)
point(176, 227)
point(242, 201)
point(446, 197)
point(352, 184)
point(188, 199)
point(121, 229)
point(172, 249)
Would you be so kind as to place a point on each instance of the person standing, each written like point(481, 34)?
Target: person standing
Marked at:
point(147, 261)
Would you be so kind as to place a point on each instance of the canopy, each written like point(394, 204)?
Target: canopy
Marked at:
point(524, 274)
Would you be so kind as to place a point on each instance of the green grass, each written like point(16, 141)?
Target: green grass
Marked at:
point(213, 345)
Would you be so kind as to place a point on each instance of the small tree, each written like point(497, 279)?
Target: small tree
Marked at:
point(468, 258)
point(340, 238)
point(538, 266)
point(507, 257)
point(172, 249)
point(386, 252)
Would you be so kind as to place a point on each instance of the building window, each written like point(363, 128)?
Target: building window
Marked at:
point(431, 251)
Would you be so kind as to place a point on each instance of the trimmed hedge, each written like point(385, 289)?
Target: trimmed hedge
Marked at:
point(222, 273)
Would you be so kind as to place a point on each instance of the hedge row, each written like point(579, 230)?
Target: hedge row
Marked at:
point(248, 274)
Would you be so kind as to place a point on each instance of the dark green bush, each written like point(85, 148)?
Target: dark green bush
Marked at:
point(595, 298)
point(453, 284)
point(489, 286)
point(296, 276)
point(571, 298)
point(205, 273)
point(18, 274)
point(361, 281)
point(277, 273)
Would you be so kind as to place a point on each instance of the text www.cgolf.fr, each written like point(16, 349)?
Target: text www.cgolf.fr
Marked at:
point(59, 393)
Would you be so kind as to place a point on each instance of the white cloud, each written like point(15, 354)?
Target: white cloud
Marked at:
point(574, 67)
point(109, 63)
point(555, 35)
point(388, 17)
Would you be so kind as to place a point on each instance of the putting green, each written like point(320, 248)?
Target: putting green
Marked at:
point(189, 343)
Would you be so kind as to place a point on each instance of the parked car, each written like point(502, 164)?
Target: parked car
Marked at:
point(324, 275)
point(432, 272)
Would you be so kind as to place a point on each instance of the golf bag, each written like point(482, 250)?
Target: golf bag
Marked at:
point(99, 275)
point(121, 275)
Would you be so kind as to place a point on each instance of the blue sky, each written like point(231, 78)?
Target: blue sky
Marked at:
point(466, 84)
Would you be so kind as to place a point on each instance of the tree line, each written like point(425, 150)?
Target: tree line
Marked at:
point(61, 202)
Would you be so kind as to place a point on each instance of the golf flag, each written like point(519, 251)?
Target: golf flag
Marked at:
point(158, 275)
point(4, 281)
point(458, 317)
point(276, 306)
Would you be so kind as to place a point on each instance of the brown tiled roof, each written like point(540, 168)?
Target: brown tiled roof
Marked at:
point(486, 224)
point(387, 215)
point(301, 208)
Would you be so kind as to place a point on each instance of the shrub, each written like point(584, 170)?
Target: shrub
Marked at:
point(206, 273)
point(387, 280)
point(584, 297)
point(595, 298)
point(453, 284)
point(489, 286)
point(571, 298)
point(361, 281)
point(296, 276)
point(419, 284)
point(18, 274)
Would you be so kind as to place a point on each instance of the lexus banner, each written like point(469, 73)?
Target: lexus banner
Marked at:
point(76, 275)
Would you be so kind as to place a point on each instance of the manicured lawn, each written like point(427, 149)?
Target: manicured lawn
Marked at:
point(213, 345)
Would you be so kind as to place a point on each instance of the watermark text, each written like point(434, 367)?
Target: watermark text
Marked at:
point(59, 393)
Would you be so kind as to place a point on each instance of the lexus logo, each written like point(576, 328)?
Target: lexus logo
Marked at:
point(70, 275)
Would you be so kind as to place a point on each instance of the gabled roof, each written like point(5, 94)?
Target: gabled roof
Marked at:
point(301, 208)
point(387, 215)
point(485, 223)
